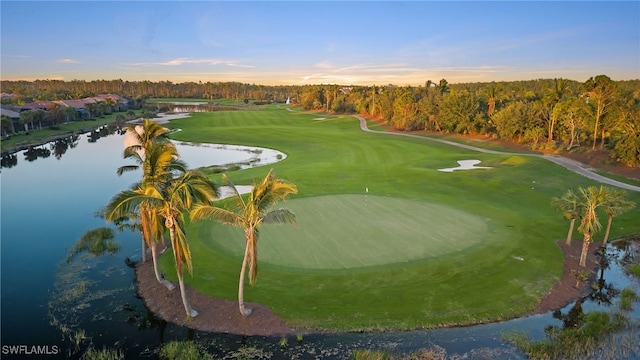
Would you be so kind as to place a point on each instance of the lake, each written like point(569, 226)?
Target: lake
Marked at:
point(63, 307)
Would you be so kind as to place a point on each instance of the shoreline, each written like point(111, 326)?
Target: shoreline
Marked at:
point(161, 119)
point(223, 316)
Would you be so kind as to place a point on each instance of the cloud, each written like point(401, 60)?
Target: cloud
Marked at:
point(394, 72)
point(68, 61)
point(190, 61)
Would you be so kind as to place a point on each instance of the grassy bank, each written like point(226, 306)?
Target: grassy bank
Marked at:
point(502, 275)
point(36, 137)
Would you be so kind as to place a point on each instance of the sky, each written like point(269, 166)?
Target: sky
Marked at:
point(319, 42)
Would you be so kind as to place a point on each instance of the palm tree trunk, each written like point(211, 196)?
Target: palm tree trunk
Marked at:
point(243, 269)
point(144, 250)
point(570, 233)
point(585, 250)
point(606, 234)
point(183, 294)
point(187, 307)
point(154, 257)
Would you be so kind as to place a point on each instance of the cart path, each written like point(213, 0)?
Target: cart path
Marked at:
point(572, 165)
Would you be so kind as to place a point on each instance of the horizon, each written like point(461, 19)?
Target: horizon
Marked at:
point(357, 43)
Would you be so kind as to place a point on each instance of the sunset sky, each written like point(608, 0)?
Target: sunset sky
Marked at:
point(313, 42)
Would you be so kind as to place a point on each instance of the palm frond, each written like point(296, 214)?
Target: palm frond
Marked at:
point(123, 204)
point(239, 201)
point(280, 216)
point(126, 168)
point(208, 212)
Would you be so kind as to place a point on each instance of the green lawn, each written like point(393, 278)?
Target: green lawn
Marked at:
point(38, 137)
point(355, 231)
point(430, 248)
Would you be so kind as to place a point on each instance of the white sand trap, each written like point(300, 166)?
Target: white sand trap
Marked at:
point(466, 165)
point(162, 118)
point(320, 119)
point(225, 191)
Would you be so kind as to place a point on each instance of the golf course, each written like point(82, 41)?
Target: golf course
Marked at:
point(385, 240)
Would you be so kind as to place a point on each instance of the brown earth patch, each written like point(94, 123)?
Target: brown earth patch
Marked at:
point(565, 291)
point(215, 315)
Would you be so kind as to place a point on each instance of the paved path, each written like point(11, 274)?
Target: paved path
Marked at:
point(572, 165)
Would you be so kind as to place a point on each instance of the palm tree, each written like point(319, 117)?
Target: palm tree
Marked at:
point(250, 215)
point(602, 90)
point(569, 205)
point(130, 205)
point(181, 195)
point(70, 114)
point(26, 118)
point(591, 199)
point(168, 201)
point(614, 205)
point(157, 156)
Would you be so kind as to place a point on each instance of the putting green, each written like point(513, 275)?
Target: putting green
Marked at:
point(351, 231)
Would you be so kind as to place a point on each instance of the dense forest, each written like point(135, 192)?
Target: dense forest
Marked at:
point(546, 114)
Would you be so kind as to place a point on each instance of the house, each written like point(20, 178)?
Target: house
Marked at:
point(14, 115)
point(42, 105)
point(79, 105)
point(119, 103)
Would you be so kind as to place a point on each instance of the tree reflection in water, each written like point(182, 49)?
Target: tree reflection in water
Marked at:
point(60, 146)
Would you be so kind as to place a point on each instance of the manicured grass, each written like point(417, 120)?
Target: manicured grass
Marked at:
point(501, 274)
point(160, 100)
point(358, 231)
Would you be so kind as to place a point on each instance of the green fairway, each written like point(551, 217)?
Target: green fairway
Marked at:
point(351, 231)
point(424, 248)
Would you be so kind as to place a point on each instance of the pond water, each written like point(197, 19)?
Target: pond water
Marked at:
point(64, 307)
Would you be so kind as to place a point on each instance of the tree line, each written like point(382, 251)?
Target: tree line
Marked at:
point(546, 114)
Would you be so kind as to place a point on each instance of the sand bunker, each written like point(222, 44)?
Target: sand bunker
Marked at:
point(226, 191)
point(320, 118)
point(465, 165)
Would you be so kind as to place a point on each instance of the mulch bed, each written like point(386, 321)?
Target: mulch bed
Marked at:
point(565, 291)
point(215, 315)
point(223, 316)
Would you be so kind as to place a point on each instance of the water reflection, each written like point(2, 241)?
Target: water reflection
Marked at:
point(34, 153)
point(60, 146)
point(9, 161)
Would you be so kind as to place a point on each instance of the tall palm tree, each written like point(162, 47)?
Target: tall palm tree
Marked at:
point(602, 91)
point(181, 195)
point(569, 205)
point(614, 205)
point(591, 199)
point(130, 206)
point(250, 215)
point(166, 204)
point(152, 151)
